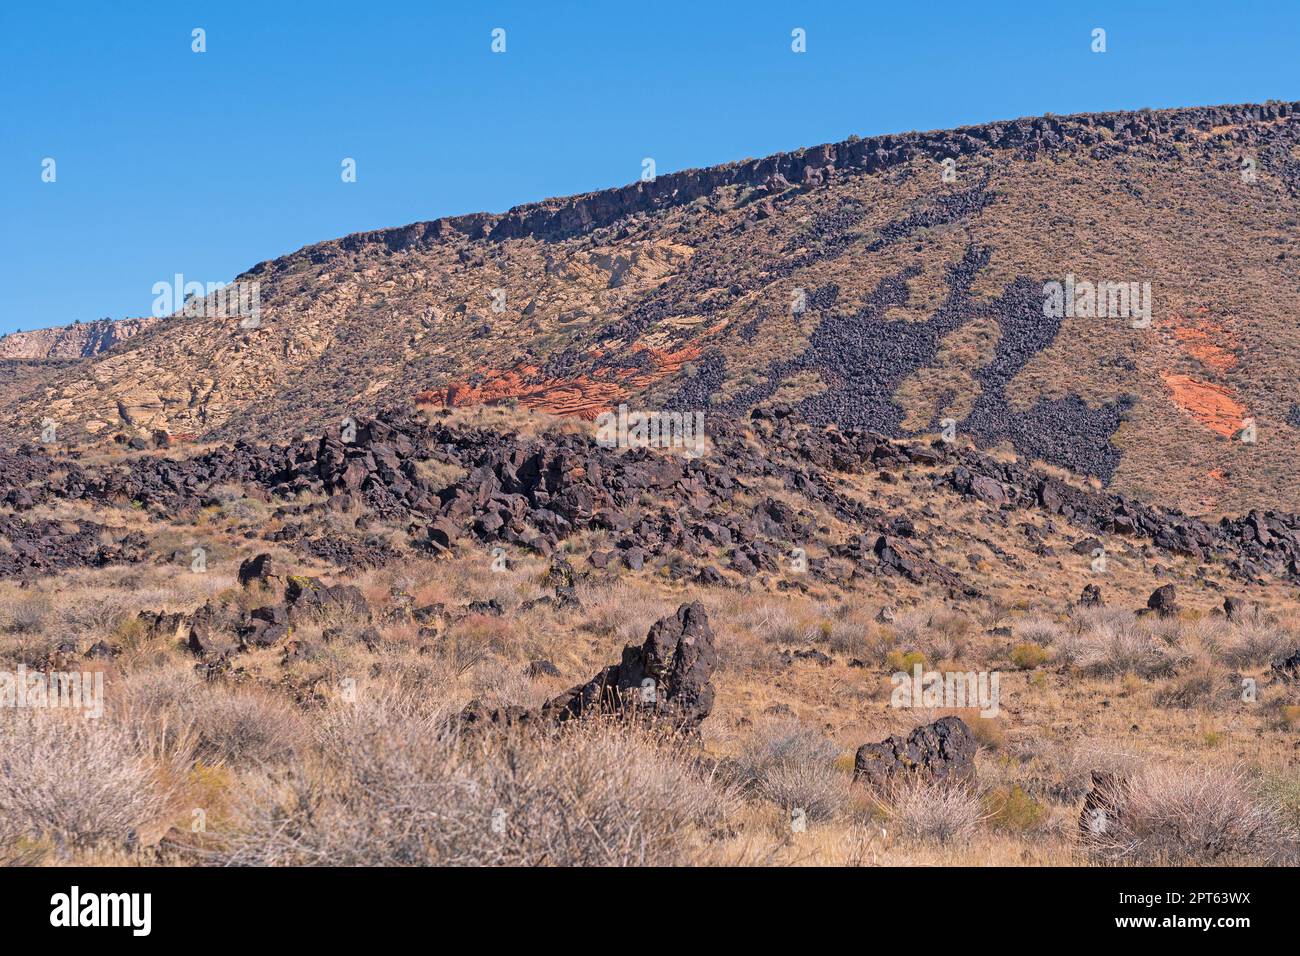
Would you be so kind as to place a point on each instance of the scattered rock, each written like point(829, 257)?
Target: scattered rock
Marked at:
point(943, 750)
point(667, 677)
point(1090, 596)
point(543, 668)
point(1163, 601)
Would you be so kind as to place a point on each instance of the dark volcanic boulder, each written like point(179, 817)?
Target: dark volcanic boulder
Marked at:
point(202, 624)
point(1287, 670)
point(262, 569)
point(1164, 601)
point(666, 677)
point(896, 556)
point(1091, 596)
point(307, 595)
point(943, 750)
point(264, 626)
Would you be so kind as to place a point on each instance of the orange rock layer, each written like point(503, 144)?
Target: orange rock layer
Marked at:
point(1206, 341)
point(583, 396)
point(1212, 405)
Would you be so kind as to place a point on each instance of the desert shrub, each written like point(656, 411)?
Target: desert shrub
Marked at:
point(1170, 815)
point(927, 811)
point(1010, 808)
point(1042, 631)
point(1202, 683)
point(904, 661)
point(793, 766)
point(1115, 643)
point(863, 639)
point(1028, 656)
point(1255, 641)
point(500, 684)
point(25, 613)
point(244, 727)
point(94, 614)
point(937, 632)
point(388, 787)
point(75, 781)
point(1282, 790)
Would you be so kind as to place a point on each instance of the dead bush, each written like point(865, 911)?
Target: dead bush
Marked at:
point(926, 811)
point(1172, 815)
point(793, 766)
point(389, 787)
point(76, 782)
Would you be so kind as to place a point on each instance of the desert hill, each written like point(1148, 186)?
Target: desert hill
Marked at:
point(893, 283)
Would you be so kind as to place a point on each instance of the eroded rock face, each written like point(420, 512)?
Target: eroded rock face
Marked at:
point(72, 341)
point(943, 750)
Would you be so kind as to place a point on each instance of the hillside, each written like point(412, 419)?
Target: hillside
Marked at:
point(943, 575)
point(866, 283)
point(80, 340)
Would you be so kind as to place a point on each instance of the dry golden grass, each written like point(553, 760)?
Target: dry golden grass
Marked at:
point(316, 758)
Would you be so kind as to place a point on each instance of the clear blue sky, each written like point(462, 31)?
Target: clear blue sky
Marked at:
point(172, 161)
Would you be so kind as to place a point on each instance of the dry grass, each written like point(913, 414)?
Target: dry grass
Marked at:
point(931, 812)
point(289, 771)
point(793, 767)
point(389, 785)
point(1180, 816)
point(67, 782)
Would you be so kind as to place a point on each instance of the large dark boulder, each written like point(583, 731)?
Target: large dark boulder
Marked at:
point(307, 595)
point(943, 750)
point(667, 677)
point(1091, 596)
point(264, 626)
point(262, 569)
point(1164, 601)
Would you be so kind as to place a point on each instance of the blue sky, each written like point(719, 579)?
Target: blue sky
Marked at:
point(173, 161)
